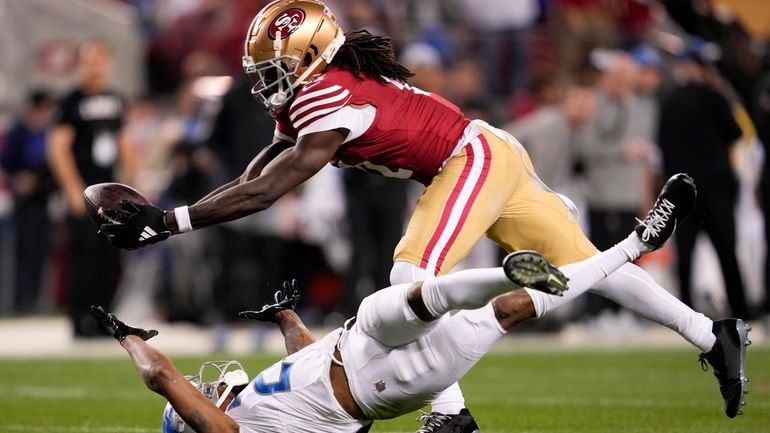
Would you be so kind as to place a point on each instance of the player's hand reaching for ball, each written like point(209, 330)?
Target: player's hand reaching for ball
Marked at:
point(119, 329)
point(134, 225)
point(285, 299)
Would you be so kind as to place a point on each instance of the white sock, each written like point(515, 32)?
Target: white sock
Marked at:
point(450, 401)
point(609, 275)
point(585, 274)
point(634, 289)
point(464, 290)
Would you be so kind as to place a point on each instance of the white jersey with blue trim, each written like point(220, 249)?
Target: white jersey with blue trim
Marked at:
point(295, 395)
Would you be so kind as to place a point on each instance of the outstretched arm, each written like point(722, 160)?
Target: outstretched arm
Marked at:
point(293, 166)
point(254, 169)
point(160, 376)
point(138, 225)
point(295, 334)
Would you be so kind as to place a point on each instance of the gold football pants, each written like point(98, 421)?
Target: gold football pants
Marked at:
point(490, 187)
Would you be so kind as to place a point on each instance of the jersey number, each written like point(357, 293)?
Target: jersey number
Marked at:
point(279, 386)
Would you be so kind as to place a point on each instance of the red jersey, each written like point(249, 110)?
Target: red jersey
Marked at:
point(412, 134)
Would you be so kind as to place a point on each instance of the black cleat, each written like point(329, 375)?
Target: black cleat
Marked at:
point(530, 269)
point(728, 360)
point(674, 203)
point(436, 422)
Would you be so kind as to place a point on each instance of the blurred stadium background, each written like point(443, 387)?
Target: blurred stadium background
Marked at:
point(559, 74)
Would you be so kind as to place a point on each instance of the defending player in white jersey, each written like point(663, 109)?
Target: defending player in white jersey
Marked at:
point(401, 349)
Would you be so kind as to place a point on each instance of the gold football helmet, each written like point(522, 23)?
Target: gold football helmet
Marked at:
point(288, 43)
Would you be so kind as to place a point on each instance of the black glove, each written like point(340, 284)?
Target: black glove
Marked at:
point(138, 225)
point(285, 299)
point(119, 329)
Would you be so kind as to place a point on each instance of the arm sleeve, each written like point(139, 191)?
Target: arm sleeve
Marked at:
point(315, 103)
point(356, 120)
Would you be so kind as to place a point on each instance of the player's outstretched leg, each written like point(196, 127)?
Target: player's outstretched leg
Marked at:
point(673, 205)
point(727, 356)
point(728, 360)
point(723, 342)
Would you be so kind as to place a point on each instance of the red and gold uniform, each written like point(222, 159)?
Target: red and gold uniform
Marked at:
point(479, 180)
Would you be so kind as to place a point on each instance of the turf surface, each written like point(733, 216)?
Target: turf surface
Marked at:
point(614, 391)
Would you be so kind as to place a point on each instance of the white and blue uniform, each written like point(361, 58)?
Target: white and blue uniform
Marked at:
point(295, 395)
point(395, 363)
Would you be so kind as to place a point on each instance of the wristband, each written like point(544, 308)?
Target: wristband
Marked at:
point(183, 223)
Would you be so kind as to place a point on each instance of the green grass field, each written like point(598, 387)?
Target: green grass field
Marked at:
point(613, 391)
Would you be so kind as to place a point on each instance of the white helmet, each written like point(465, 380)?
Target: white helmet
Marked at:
point(230, 373)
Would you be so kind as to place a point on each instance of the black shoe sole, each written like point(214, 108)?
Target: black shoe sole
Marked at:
point(530, 269)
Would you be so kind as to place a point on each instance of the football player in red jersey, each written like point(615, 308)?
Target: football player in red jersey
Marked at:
point(342, 98)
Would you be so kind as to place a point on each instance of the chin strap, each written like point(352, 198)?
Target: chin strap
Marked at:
point(278, 98)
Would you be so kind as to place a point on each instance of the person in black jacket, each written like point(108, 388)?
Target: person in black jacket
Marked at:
point(697, 129)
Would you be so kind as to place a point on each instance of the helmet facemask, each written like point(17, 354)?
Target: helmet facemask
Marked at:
point(271, 79)
point(229, 373)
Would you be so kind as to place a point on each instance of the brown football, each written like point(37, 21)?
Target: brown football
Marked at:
point(108, 196)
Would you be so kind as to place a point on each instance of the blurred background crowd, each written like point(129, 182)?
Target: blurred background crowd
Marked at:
point(609, 97)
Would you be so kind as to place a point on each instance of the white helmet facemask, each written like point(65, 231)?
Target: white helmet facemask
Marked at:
point(229, 373)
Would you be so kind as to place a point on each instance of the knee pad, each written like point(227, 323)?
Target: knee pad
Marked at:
point(404, 272)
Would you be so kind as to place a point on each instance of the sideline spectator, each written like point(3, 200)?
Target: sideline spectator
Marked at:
point(466, 90)
point(616, 151)
point(551, 135)
point(697, 130)
point(616, 154)
point(83, 149)
point(23, 159)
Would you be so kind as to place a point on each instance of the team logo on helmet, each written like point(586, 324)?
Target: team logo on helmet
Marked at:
point(286, 23)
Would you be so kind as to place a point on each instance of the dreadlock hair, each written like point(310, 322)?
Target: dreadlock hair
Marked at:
point(366, 54)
